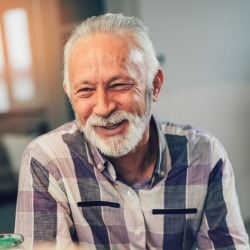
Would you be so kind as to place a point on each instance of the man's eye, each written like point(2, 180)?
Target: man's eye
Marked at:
point(85, 92)
point(120, 87)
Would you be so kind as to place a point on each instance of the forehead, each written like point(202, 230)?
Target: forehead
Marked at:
point(105, 48)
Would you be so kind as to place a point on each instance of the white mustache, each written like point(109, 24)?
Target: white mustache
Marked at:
point(113, 119)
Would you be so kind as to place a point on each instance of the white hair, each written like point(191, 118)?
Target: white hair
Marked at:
point(113, 23)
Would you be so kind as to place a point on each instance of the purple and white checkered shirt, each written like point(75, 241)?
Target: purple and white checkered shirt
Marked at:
point(69, 192)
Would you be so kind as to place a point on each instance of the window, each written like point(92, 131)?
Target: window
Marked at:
point(4, 98)
point(17, 86)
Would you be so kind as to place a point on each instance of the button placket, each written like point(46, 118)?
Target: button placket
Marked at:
point(129, 193)
point(138, 231)
point(133, 216)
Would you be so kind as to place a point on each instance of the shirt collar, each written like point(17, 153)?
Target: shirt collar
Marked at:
point(161, 168)
point(99, 159)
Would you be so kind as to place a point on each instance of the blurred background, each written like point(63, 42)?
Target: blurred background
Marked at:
point(203, 48)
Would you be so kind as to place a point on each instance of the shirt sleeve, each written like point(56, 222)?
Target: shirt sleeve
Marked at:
point(222, 226)
point(42, 213)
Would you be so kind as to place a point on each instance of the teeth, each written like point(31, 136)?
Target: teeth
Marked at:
point(112, 126)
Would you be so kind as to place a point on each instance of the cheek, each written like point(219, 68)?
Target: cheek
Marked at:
point(140, 102)
point(135, 104)
point(82, 109)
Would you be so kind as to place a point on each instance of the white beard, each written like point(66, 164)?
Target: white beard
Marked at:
point(119, 145)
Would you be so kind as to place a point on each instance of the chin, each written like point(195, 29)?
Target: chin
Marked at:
point(116, 146)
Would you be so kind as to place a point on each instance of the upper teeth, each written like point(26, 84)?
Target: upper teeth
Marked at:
point(110, 126)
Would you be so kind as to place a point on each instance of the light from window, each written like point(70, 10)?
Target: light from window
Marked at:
point(4, 98)
point(23, 89)
point(19, 53)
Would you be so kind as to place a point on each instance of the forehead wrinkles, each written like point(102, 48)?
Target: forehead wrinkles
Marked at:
point(97, 52)
point(99, 62)
point(108, 48)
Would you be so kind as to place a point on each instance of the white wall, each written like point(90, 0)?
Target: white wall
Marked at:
point(207, 72)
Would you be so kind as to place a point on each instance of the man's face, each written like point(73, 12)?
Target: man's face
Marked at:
point(108, 92)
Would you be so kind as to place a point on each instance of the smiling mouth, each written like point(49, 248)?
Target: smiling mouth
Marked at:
point(111, 126)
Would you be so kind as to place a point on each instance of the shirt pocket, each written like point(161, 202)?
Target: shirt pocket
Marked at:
point(177, 213)
point(101, 212)
point(98, 204)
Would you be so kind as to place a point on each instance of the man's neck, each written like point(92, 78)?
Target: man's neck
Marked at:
point(139, 164)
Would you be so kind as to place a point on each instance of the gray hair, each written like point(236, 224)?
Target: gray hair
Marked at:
point(111, 23)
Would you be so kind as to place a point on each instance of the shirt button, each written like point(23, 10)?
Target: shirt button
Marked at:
point(99, 166)
point(137, 231)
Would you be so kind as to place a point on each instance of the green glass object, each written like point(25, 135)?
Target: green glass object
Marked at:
point(10, 241)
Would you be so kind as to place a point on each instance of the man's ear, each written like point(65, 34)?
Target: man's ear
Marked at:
point(158, 81)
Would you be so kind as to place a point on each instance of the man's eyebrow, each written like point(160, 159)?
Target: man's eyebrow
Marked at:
point(120, 76)
point(79, 82)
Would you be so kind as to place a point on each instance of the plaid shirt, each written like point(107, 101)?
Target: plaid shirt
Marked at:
point(69, 192)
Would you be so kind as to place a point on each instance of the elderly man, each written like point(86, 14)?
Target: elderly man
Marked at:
point(116, 178)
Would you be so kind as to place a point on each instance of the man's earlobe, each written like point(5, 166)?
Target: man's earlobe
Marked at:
point(158, 81)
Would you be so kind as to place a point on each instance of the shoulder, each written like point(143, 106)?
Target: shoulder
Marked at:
point(178, 129)
point(55, 152)
point(56, 135)
point(55, 143)
point(198, 142)
point(192, 133)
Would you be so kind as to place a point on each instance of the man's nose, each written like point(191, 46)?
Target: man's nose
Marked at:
point(105, 104)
